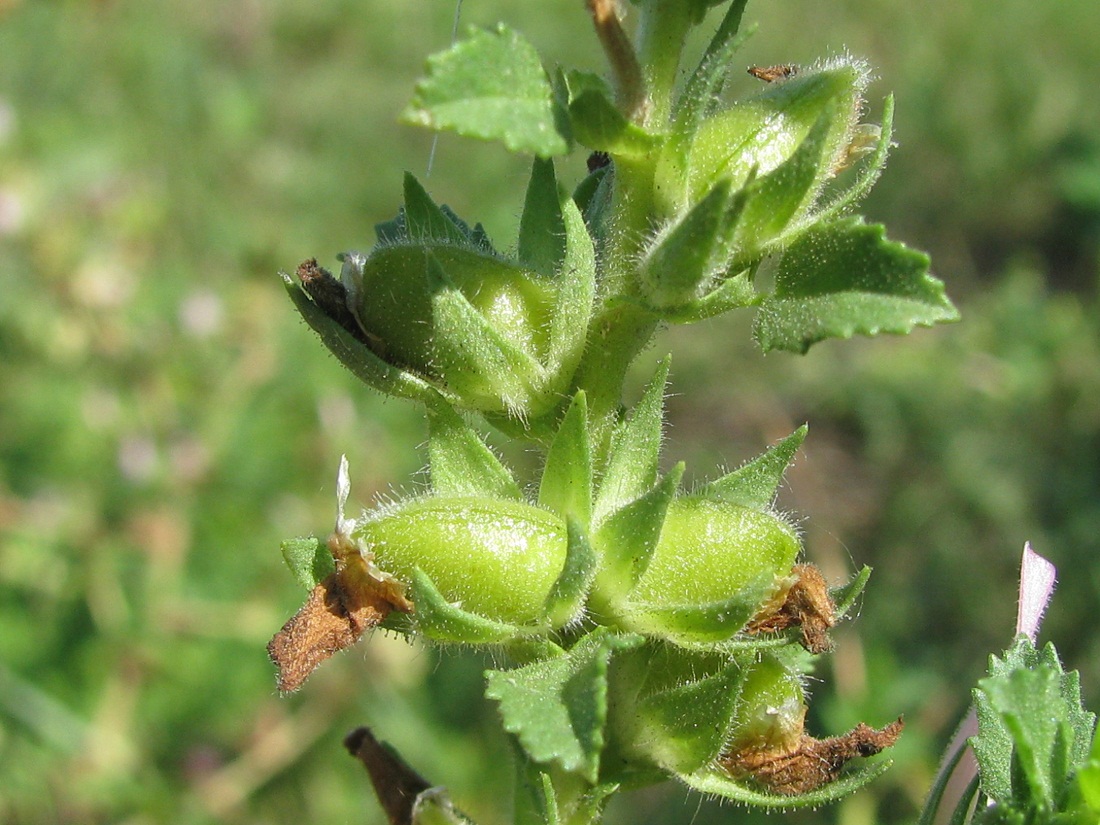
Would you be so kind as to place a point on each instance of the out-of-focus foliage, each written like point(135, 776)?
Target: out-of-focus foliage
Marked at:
point(165, 421)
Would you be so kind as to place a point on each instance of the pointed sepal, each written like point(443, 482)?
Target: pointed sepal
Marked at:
point(460, 462)
point(442, 621)
point(756, 483)
point(635, 449)
point(542, 226)
point(566, 484)
point(565, 604)
point(681, 262)
point(673, 707)
point(626, 540)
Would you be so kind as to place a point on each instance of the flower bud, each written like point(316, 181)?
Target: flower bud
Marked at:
point(755, 136)
point(462, 317)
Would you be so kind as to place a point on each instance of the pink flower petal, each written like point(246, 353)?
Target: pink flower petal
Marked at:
point(1037, 577)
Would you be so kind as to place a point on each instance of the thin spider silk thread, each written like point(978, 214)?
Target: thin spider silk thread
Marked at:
point(454, 37)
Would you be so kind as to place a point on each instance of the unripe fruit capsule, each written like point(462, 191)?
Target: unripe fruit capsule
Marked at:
point(395, 301)
point(710, 550)
point(498, 559)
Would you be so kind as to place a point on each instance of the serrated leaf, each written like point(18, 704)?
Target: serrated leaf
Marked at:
point(363, 364)
point(491, 86)
point(635, 449)
point(557, 708)
point(541, 226)
point(566, 485)
point(626, 539)
point(597, 122)
point(566, 600)
point(425, 220)
point(461, 463)
point(715, 782)
point(1032, 729)
point(845, 278)
point(755, 483)
point(442, 621)
point(309, 560)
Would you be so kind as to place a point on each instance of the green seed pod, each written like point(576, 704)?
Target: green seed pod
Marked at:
point(771, 709)
point(715, 566)
point(462, 317)
point(495, 558)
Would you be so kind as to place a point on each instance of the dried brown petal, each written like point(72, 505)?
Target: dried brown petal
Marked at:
point(806, 605)
point(338, 611)
point(811, 763)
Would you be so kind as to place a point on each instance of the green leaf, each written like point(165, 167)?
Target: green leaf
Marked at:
point(425, 220)
point(626, 539)
point(460, 462)
point(635, 449)
point(756, 483)
point(309, 560)
point(1026, 702)
point(1088, 779)
point(709, 78)
point(441, 621)
point(1032, 729)
point(844, 278)
point(363, 364)
point(565, 602)
point(557, 708)
point(681, 263)
point(542, 227)
point(536, 802)
point(566, 485)
point(713, 781)
point(597, 122)
point(492, 86)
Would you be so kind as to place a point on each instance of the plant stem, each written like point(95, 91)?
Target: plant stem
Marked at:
point(662, 30)
point(616, 335)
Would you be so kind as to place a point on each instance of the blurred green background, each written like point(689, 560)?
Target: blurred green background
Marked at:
point(165, 419)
